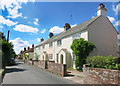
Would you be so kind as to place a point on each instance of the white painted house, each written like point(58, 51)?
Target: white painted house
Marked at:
point(98, 30)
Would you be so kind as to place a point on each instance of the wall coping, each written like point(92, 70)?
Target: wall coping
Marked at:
point(101, 69)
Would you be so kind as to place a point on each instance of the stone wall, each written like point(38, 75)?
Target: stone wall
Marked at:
point(41, 64)
point(101, 76)
point(35, 62)
point(57, 68)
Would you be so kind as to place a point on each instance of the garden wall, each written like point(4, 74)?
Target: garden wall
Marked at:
point(57, 68)
point(51, 66)
point(101, 76)
point(41, 64)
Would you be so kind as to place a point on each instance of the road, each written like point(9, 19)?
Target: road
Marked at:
point(26, 74)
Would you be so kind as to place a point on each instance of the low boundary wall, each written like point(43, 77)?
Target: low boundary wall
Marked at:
point(57, 68)
point(51, 66)
point(101, 76)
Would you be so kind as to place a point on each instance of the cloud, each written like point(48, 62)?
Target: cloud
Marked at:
point(43, 31)
point(25, 28)
point(6, 21)
point(35, 23)
point(29, 22)
point(73, 25)
point(25, 17)
point(1, 26)
point(38, 39)
point(117, 23)
point(112, 19)
point(19, 44)
point(36, 19)
point(115, 8)
point(93, 16)
point(57, 29)
point(12, 6)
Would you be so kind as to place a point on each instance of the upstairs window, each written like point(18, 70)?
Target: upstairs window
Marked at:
point(59, 42)
point(50, 44)
point(39, 47)
point(43, 46)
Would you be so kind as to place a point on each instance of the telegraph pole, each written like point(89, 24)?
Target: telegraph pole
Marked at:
point(71, 18)
point(8, 36)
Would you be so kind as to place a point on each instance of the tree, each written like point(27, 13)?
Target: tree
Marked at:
point(7, 50)
point(81, 49)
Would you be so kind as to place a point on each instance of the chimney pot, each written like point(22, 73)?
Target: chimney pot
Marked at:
point(28, 48)
point(67, 26)
point(24, 49)
point(42, 39)
point(51, 35)
point(32, 45)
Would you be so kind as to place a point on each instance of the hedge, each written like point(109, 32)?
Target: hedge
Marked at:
point(107, 62)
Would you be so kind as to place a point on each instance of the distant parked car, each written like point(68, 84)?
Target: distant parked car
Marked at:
point(11, 62)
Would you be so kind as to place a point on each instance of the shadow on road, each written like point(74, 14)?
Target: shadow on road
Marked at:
point(10, 70)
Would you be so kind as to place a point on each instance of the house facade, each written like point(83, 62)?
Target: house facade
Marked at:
point(29, 53)
point(98, 30)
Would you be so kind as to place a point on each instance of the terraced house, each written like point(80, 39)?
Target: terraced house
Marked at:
point(98, 30)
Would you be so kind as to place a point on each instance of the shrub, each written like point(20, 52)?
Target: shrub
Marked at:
point(107, 62)
point(81, 48)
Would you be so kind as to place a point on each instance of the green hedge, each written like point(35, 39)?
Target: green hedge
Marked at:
point(107, 62)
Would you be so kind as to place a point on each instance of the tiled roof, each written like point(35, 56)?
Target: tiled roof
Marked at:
point(70, 31)
point(30, 50)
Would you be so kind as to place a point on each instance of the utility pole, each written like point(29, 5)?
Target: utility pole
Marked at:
point(8, 36)
point(71, 18)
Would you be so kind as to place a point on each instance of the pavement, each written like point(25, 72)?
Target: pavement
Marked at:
point(25, 74)
point(75, 76)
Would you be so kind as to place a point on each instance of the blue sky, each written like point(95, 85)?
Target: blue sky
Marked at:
point(28, 21)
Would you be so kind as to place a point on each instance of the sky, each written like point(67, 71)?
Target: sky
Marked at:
point(28, 22)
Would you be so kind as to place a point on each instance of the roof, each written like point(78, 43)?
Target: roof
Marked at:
point(65, 50)
point(30, 50)
point(70, 31)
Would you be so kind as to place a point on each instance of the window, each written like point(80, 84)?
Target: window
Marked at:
point(77, 36)
point(59, 42)
point(50, 44)
point(74, 57)
point(39, 47)
point(50, 56)
point(43, 46)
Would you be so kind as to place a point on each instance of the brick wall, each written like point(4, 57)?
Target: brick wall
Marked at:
point(57, 68)
point(101, 76)
point(50, 66)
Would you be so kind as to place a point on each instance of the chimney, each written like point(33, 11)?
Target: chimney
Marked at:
point(32, 45)
point(51, 35)
point(67, 26)
point(42, 39)
point(24, 49)
point(101, 10)
point(28, 48)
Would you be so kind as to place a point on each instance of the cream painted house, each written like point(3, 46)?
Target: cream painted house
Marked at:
point(98, 30)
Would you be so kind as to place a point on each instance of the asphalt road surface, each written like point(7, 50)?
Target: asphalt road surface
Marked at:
point(26, 74)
